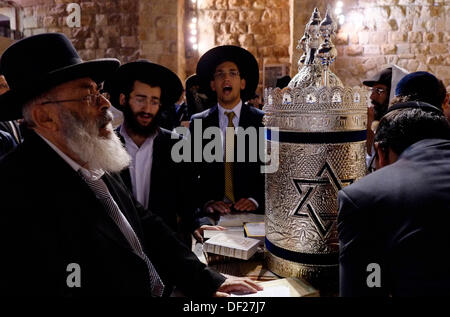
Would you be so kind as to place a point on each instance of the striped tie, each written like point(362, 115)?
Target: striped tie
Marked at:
point(103, 194)
point(229, 157)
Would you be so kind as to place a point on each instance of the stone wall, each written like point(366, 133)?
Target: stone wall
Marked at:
point(109, 28)
point(123, 29)
point(260, 26)
point(414, 34)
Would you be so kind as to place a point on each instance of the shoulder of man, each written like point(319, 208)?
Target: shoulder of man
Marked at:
point(204, 113)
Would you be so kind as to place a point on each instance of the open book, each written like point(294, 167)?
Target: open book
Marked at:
point(285, 287)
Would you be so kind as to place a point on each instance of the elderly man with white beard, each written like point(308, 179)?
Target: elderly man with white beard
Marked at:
point(69, 225)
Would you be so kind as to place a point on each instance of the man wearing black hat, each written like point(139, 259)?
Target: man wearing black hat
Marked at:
point(393, 223)
point(230, 74)
point(142, 91)
point(69, 225)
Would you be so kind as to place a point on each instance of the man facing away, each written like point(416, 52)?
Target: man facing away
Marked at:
point(230, 74)
point(393, 223)
point(69, 225)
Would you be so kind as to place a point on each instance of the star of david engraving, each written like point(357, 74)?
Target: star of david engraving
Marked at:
point(324, 222)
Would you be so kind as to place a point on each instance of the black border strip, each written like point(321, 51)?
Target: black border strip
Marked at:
point(304, 258)
point(319, 137)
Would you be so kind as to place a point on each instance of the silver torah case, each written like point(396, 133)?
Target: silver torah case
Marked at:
point(321, 137)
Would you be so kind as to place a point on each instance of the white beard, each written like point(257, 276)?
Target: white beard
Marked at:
point(106, 153)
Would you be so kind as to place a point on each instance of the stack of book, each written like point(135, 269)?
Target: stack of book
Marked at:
point(231, 246)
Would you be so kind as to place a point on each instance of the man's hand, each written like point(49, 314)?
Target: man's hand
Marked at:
point(218, 207)
point(245, 204)
point(198, 234)
point(235, 284)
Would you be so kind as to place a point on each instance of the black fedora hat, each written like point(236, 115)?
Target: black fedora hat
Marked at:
point(37, 63)
point(144, 70)
point(244, 60)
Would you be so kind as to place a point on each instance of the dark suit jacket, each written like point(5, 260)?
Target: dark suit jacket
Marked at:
point(5, 126)
point(398, 217)
point(50, 218)
point(248, 179)
point(169, 186)
point(7, 142)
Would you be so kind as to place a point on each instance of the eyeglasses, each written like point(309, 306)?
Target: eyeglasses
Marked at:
point(378, 91)
point(91, 99)
point(143, 101)
point(222, 75)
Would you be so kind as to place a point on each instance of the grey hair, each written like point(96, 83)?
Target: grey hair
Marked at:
point(28, 106)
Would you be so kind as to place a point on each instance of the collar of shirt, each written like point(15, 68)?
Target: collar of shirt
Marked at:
point(223, 119)
point(92, 175)
point(129, 143)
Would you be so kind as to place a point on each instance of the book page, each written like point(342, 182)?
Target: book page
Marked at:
point(275, 291)
point(235, 219)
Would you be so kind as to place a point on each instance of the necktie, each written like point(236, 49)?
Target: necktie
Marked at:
point(103, 194)
point(229, 157)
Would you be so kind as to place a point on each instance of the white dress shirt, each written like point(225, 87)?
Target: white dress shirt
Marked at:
point(223, 123)
point(140, 166)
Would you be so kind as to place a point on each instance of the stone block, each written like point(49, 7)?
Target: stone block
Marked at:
point(260, 4)
point(354, 50)
point(371, 50)
point(250, 16)
point(222, 4)
point(246, 40)
point(280, 51)
point(428, 37)
point(232, 16)
point(389, 49)
point(101, 20)
point(363, 37)
point(393, 24)
point(90, 43)
point(224, 28)
point(415, 37)
point(238, 27)
point(88, 8)
point(403, 48)
point(435, 60)
point(438, 48)
point(341, 38)
point(103, 42)
point(256, 28)
point(399, 37)
point(50, 21)
point(30, 22)
point(206, 4)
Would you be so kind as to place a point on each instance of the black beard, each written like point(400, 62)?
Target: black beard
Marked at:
point(379, 110)
point(135, 127)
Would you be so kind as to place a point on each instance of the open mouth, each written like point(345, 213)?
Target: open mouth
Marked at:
point(227, 89)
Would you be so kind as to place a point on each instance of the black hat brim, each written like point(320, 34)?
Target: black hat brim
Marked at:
point(244, 60)
point(12, 101)
point(168, 81)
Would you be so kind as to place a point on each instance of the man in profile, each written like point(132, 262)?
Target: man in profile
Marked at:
point(69, 225)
